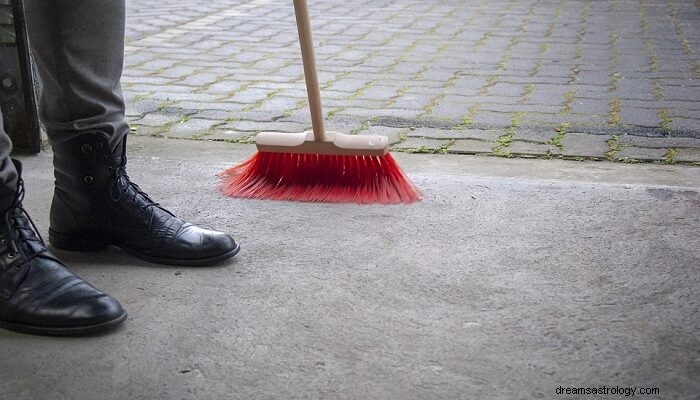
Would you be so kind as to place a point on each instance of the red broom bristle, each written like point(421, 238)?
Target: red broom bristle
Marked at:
point(320, 178)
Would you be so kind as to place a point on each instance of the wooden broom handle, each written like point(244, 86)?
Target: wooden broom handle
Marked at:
point(301, 10)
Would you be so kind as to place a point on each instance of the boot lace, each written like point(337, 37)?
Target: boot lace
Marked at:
point(16, 228)
point(122, 183)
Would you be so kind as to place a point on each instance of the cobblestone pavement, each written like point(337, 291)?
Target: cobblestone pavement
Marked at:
point(617, 80)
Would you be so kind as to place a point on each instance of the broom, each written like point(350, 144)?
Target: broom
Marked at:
point(318, 165)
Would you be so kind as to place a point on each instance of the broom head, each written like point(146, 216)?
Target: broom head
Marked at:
point(339, 169)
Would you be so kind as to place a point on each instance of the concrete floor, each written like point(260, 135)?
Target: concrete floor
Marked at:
point(512, 278)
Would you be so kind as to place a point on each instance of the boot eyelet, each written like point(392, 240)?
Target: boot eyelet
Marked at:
point(3, 242)
point(110, 169)
point(88, 179)
point(86, 148)
point(99, 145)
point(11, 256)
point(133, 200)
point(19, 266)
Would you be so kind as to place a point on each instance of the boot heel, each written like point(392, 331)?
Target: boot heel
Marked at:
point(76, 242)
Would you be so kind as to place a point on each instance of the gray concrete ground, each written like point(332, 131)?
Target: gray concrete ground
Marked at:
point(512, 278)
point(579, 79)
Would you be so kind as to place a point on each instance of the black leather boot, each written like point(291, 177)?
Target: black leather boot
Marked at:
point(37, 293)
point(96, 205)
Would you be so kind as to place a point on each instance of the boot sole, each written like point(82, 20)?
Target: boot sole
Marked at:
point(80, 243)
point(87, 330)
point(186, 263)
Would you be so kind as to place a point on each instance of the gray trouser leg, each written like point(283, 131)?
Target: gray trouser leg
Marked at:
point(78, 48)
point(8, 175)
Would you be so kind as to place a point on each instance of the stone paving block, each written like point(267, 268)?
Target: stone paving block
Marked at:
point(689, 127)
point(527, 148)
point(249, 95)
point(159, 64)
point(348, 85)
point(301, 115)
point(591, 106)
point(659, 143)
point(467, 84)
point(687, 93)
point(203, 108)
point(228, 49)
point(583, 145)
point(380, 61)
point(356, 106)
point(154, 119)
point(388, 112)
point(517, 107)
point(461, 99)
point(199, 79)
point(597, 77)
point(133, 59)
point(407, 68)
point(380, 92)
point(688, 155)
point(534, 134)
point(330, 94)
point(145, 130)
point(247, 57)
point(535, 80)
point(278, 105)
point(506, 89)
point(434, 133)
point(269, 64)
point(492, 119)
point(421, 143)
point(639, 116)
point(156, 90)
point(636, 89)
point(141, 106)
point(179, 71)
point(681, 107)
point(206, 44)
point(554, 71)
point(548, 95)
point(344, 124)
point(189, 128)
point(186, 96)
point(224, 86)
point(471, 147)
point(488, 135)
point(522, 64)
point(155, 80)
point(257, 115)
point(447, 110)
point(532, 118)
point(641, 153)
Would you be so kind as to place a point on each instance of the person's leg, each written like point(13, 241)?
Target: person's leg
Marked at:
point(78, 46)
point(8, 174)
point(78, 49)
point(37, 293)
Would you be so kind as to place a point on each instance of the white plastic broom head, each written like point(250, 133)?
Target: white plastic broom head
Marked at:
point(334, 143)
